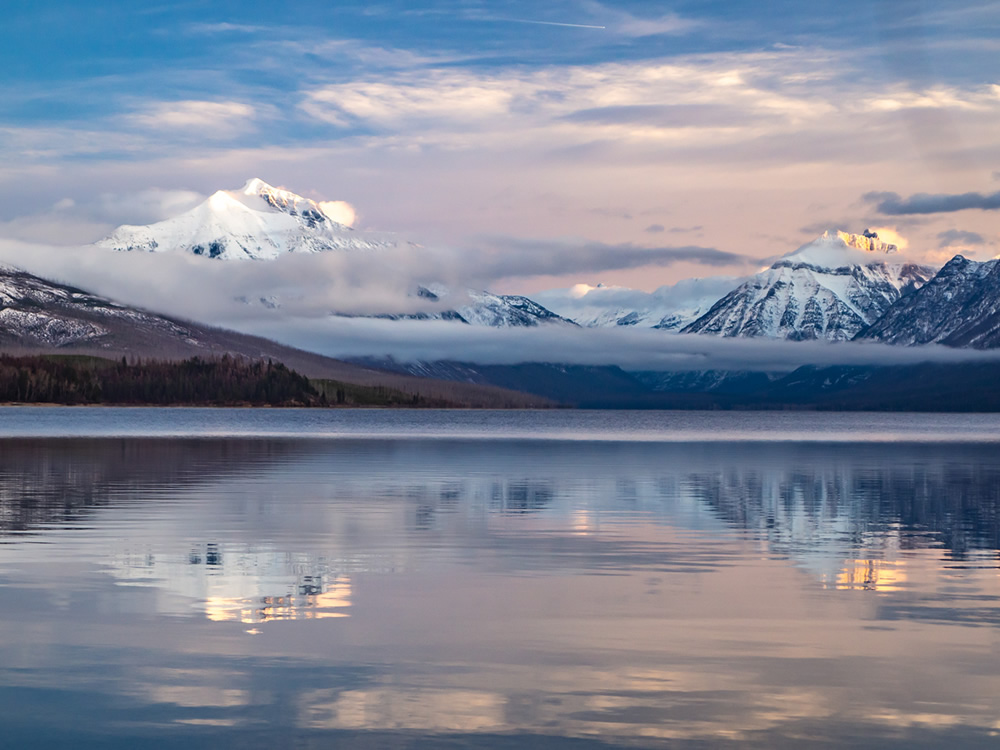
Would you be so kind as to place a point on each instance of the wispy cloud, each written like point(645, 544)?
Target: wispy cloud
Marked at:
point(454, 98)
point(630, 25)
point(225, 27)
point(211, 119)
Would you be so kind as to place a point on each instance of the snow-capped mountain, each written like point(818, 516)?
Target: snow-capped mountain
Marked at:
point(668, 308)
point(481, 309)
point(261, 222)
point(831, 288)
point(256, 222)
point(960, 306)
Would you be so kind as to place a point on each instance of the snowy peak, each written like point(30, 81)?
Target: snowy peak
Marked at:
point(283, 201)
point(831, 288)
point(837, 249)
point(256, 222)
point(867, 241)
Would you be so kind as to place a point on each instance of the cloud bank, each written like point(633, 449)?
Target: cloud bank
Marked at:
point(309, 288)
point(893, 204)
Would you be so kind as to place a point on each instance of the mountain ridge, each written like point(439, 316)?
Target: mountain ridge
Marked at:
point(823, 290)
point(959, 307)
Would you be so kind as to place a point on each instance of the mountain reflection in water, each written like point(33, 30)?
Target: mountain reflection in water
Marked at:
point(196, 592)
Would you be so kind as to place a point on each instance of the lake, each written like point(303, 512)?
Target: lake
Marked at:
point(195, 578)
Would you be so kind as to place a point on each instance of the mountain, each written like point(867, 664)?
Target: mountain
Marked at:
point(261, 222)
point(959, 307)
point(256, 222)
point(668, 308)
point(831, 288)
point(44, 317)
point(575, 385)
point(506, 311)
point(925, 387)
point(477, 309)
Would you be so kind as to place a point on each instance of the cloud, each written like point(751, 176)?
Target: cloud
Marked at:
point(890, 235)
point(893, 204)
point(666, 115)
point(585, 303)
point(143, 206)
point(628, 348)
point(341, 212)
point(226, 28)
point(555, 104)
point(786, 128)
point(951, 237)
point(186, 286)
point(454, 97)
point(211, 119)
point(612, 213)
point(316, 285)
point(655, 228)
point(501, 257)
point(72, 221)
point(311, 286)
point(629, 25)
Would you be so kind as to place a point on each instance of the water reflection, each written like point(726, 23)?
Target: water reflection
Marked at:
point(498, 593)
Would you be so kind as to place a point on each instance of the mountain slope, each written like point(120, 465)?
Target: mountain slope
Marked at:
point(481, 309)
point(39, 316)
point(959, 307)
point(256, 222)
point(829, 289)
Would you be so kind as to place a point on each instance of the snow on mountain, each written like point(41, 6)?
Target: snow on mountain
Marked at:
point(481, 309)
point(831, 288)
point(256, 222)
point(960, 306)
point(506, 311)
point(39, 313)
point(261, 222)
point(668, 308)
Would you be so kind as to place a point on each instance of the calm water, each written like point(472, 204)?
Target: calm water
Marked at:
point(363, 579)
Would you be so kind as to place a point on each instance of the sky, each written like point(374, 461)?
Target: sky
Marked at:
point(743, 129)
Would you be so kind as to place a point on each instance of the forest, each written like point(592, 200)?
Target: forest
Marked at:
point(223, 381)
point(219, 381)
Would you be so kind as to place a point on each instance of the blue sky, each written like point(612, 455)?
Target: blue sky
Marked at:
point(740, 127)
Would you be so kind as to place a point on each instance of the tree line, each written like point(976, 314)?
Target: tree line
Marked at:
point(222, 381)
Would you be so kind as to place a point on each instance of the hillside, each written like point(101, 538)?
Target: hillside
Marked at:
point(43, 317)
